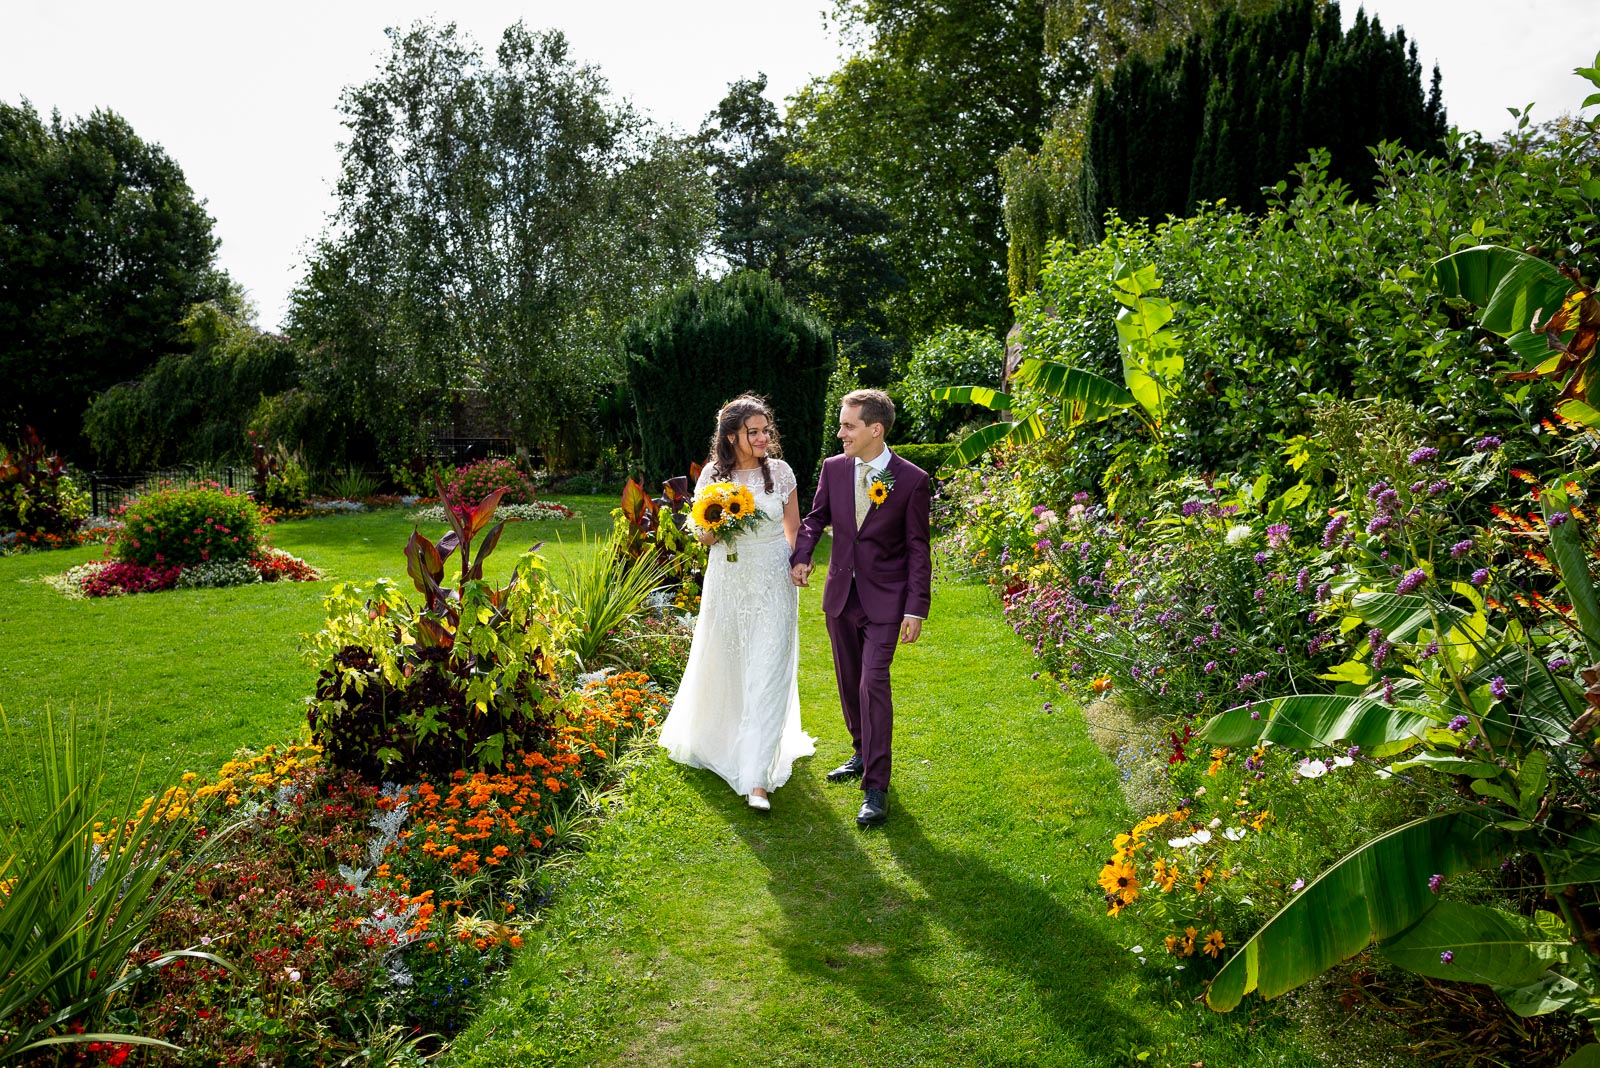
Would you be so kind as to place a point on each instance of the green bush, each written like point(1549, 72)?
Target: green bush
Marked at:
point(927, 457)
point(706, 344)
point(955, 356)
point(286, 487)
point(189, 526)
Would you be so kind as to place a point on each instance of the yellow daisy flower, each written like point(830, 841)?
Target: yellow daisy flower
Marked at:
point(877, 493)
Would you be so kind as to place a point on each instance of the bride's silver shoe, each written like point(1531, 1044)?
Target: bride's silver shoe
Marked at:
point(759, 803)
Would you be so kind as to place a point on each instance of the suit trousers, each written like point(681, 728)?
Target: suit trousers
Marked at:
point(862, 654)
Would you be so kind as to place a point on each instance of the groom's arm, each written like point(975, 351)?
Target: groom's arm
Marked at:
point(919, 551)
point(811, 527)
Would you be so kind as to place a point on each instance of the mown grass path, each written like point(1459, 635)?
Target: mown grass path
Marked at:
point(968, 930)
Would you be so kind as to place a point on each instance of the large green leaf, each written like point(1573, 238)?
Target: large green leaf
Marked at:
point(1486, 946)
point(1376, 892)
point(1400, 616)
point(982, 396)
point(1305, 721)
point(1086, 394)
point(973, 446)
point(1586, 1056)
point(1510, 286)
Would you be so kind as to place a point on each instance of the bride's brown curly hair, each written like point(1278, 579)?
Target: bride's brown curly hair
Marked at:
point(730, 422)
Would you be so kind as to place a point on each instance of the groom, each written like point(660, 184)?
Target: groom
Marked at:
point(879, 580)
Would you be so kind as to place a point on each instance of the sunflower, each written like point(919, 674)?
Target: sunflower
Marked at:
point(746, 499)
point(709, 513)
point(877, 493)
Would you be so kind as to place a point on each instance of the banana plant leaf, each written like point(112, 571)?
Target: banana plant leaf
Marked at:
point(1586, 1056)
point(972, 446)
point(1485, 946)
point(1073, 384)
point(982, 396)
point(1305, 721)
point(1400, 616)
point(1510, 286)
point(1566, 546)
point(1374, 893)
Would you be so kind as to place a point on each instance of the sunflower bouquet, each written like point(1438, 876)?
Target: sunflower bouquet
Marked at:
point(726, 509)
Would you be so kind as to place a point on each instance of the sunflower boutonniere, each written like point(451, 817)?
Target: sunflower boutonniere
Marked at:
point(878, 489)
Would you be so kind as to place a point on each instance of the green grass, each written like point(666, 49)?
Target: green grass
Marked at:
point(968, 930)
point(190, 676)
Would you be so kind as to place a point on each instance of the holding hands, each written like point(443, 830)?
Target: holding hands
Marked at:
point(800, 574)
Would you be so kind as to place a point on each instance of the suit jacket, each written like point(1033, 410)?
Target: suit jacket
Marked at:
point(889, 559)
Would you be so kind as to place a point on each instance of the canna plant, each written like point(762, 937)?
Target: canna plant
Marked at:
point(466, 679)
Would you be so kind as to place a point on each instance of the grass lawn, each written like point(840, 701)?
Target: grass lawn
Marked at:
point(189, 676)
point(968, 930)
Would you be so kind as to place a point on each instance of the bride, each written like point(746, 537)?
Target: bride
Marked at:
point(737, 711)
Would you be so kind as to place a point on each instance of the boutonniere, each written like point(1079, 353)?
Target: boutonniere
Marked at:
point(878, 489)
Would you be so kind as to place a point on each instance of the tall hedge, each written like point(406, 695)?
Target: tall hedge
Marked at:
point(712, 341)
point(1236, 107)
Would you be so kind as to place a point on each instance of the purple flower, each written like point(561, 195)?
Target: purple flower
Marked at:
point(1426, 454)
point(1255, 714)
point(1324, 591)
point(1411, 582)
point(1261, 595)
point(1039, 509)
point(1380, 654)
point(1460, 723)
point(1558, 663)
point(1211, 665)
point(1330, 533)
point(1377, 488)
point(1446, 957)
point(1379, 524)
point(1461, 548)
point(1488, 444)
point(1418, 486)
point(1437, 488)
point(1497, 686)
point(1558, 518)
point(1480, 576)
point(1297, 885)
point(1191, 508)
point(1048, 706)
point(1278, 535)
point(1260, 559)
point(1042, 545)
point(1388, 690)
point(1080, 497)
point(1302, 580)
point(1353, 752)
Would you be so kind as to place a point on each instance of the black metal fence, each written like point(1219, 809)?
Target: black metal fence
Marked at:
point(458, 451)
point(113, 491)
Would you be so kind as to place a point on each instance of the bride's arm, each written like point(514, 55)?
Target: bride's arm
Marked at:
point(791, 517)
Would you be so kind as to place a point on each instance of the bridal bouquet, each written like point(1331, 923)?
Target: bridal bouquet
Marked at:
point(726, 509)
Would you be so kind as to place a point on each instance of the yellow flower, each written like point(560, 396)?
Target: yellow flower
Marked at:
point(1102, 684)
point(877, 493)
point(1118, 877)
point(1214, 943)
point(709, 513)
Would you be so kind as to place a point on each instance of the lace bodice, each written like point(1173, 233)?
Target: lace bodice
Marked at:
point(770, 504)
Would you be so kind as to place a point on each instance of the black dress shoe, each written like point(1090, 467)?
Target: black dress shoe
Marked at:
point(850, 769)
point(874, 810)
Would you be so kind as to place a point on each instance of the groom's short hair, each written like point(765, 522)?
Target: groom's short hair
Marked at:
point(875, 405)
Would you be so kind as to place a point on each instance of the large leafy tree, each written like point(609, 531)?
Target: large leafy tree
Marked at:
point(496, 224)
point(800, 224)
point(917, 121)
point(103, 249)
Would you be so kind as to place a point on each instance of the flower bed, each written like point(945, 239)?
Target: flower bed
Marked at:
point(533, 510)
point(13, 542)
point(353, 916)
point(116, 578)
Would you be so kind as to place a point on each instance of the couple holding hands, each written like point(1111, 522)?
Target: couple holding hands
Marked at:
point(737, 711)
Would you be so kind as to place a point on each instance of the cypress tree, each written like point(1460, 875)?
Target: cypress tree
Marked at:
point(1234, 108)
point(709, 342)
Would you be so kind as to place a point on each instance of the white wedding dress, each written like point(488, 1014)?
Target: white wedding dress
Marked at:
point(737, 711)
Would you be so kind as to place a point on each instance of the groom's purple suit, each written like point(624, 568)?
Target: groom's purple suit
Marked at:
point(877, 576)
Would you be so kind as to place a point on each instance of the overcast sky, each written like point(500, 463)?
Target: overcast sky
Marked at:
point(244, 97)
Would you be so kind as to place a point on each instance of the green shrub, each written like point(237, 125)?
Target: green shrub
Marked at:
point(286, 487)
point(927, 457)
point(708, 343)
point(603, 593)
point(955, 356)
point(189, 526)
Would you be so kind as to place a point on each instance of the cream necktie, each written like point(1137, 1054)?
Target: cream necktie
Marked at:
point(863, 502)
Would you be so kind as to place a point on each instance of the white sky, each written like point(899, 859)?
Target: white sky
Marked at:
point(244, 96)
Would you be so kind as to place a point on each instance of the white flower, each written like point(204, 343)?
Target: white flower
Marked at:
point(1136, 949)
point(1342, 762)
point(294, 975)
point(1237, 534)
point(1202, 837)
point(1233, 834)
point(1200, 792)
point(1216, 821)
point(1312, 769)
